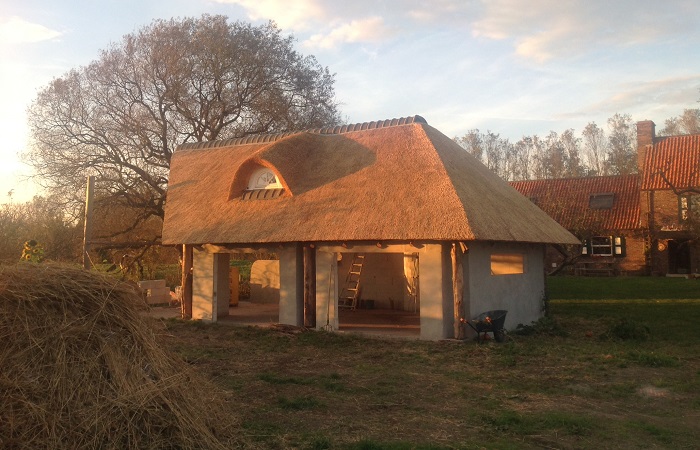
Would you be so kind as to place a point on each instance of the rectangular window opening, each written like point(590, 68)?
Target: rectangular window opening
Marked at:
point(507, 263)
point(602, 246)
point(689, 207)
point(601, 201)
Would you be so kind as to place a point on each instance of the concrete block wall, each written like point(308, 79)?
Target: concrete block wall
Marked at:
point(157, 293)
point(382, 278)
point(265, 281)
point(521, 295)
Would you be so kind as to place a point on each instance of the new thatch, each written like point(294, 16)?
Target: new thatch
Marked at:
point(401, 180)
point(80, 368)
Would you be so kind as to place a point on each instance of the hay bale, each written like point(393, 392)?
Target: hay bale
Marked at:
point(81, 368)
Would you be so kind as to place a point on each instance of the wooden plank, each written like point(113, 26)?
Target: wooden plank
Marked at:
point(309, 287)
point(186, 305)
point(458, 291)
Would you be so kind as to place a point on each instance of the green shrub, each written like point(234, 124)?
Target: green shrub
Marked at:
point(628, 330)
point(545, 326)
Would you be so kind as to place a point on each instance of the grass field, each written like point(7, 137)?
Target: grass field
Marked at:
point(616, 366)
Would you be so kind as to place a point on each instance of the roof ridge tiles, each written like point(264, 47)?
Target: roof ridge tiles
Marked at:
point(335, 129)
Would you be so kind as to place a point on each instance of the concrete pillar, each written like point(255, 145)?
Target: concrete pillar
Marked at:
point(291, 285)
point(326, 291)
point(435, 287)
point(210, 290)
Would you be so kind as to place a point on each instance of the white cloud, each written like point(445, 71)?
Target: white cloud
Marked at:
point(368, 30)
point(329, 23)
point(545, 29)
point(18, 31)
point(293, 15)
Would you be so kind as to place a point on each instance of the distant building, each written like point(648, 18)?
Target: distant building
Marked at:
point(633, 224)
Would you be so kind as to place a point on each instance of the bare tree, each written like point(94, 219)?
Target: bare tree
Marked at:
point(175, 81)
point(472, 142)
point(43, 221)
point(621, 145)
point(595, 147)
point(686, 123)
point(572, 153)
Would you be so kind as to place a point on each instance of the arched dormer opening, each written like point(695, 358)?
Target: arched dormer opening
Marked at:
point(254, 181)
point(263, 178)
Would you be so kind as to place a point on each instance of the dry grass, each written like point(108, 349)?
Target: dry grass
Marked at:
point(565, 386)
point(82, 369)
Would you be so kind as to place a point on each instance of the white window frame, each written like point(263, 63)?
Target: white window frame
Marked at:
point(264, 178)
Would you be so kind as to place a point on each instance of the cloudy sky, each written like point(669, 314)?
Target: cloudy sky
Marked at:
point(513, 67)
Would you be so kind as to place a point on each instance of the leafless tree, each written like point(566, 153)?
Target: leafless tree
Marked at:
point(621, 145)
point(686, 123)
point(175, 81)
point(595, 147)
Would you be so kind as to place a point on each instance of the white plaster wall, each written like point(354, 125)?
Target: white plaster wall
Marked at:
point(203, 286)
point(435, 288)
point(382, 278)
point(265, 281)
point(291, 293)
point(520, 294)
point(210, 287)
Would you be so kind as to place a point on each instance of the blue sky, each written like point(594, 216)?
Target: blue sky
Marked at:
point(513, 67)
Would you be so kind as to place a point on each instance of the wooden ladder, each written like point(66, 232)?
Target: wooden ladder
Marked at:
point(350, 293)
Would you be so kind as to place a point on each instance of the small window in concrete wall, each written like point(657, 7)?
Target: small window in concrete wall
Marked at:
point(507, 263)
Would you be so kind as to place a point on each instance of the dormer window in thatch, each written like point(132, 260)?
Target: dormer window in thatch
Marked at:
point(262, 185)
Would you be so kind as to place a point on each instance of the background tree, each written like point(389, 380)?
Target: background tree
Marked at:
point(622, 148)
point(172, 82)
point(43, 221)
point(686, 123)
point(595, 149)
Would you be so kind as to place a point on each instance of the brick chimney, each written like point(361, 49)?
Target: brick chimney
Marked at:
point(646, 132)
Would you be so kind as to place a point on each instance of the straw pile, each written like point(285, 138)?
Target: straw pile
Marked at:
point(80, 368)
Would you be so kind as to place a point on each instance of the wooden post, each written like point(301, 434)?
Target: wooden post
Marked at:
point(87, 229)
point(309, 287)
point(186, 305)
point(458, 290)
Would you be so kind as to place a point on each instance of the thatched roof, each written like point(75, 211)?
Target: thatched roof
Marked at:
point(393, 180)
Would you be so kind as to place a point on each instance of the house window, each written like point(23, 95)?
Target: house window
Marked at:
point(604, 246)
point(601, 201)
point(264, 178)
point(263, 184)
point(601, 246)
point(507, 263)
point(688, 207)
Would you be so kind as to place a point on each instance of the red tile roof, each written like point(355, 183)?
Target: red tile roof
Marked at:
point(672, 162)
point(567, 201)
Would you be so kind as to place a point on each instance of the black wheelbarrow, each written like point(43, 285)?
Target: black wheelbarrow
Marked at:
point(490, 322)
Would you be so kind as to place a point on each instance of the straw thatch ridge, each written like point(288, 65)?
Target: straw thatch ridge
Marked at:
point(337, 129)
point(81, 368)
point(396, 183)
